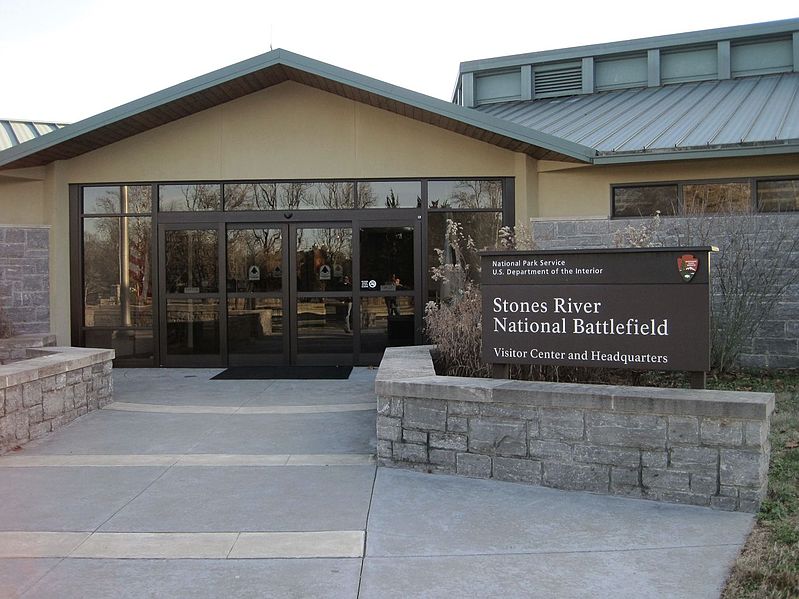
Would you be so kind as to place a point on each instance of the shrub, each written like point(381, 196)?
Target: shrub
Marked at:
point(455, 323)
point(757, 261)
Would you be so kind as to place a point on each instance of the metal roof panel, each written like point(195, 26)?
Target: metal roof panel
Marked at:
point(745, 114)
point(16, 132)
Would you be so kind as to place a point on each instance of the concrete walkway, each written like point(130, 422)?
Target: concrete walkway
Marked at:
point(186, 487)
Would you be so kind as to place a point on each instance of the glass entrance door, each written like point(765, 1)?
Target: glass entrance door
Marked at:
point(322, 322)
point(241, 294)
point(193, 332)
point(257, 289)
point(389, 288)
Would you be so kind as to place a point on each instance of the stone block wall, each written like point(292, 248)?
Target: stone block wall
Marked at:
point(707, 448)
point(50, 389)
point(776, 343)
point(25, 277)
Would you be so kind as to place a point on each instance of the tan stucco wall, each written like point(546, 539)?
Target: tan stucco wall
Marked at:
point(290, 131)
point(569, 190)
point(22, 202)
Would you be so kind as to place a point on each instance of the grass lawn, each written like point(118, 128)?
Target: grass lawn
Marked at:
point(768, 566)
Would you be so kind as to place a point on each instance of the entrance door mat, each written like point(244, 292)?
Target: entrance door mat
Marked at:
point(245, 373)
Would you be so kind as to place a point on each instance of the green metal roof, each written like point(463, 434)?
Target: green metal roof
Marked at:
point(706, 119)
point(268, 69)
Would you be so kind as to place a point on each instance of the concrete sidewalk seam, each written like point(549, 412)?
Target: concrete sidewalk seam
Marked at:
point(556, 552)
point(185, 460)
point(333, 544)
point(146, 408)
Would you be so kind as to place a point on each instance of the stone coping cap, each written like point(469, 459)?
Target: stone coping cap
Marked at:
point(27, 339)
point(51, 361)
point(409, 372)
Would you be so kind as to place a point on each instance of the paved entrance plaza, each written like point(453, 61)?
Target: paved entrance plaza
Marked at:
point(186, 487)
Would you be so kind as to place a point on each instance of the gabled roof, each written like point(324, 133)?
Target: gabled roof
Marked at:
point(14, 131)
point(269, 69)
point(701, 119)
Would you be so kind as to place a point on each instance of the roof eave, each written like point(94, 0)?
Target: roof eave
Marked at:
point(791, 147)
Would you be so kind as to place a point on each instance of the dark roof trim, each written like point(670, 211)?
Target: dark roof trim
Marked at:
point(268, 69)
point(791, 147)
point(786, 26)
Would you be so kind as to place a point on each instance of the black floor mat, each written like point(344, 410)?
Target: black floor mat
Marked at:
point(244, 373)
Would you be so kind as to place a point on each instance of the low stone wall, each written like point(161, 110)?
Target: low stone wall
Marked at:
point(16, 348)
point(51, 388)
point(699, 447)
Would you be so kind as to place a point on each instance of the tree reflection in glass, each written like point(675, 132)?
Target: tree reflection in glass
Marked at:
point(191, 261)
point(324, 259)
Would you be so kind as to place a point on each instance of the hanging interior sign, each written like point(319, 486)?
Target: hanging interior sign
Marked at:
point(324, 272)
point(254, 273)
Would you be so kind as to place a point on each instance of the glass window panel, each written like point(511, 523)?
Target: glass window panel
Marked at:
point(191, 261)
point(390, 194)
point(386, 322)
point(702, 198)
point(117, 280)
point(255, 326)
point(482, 227)
point(101, 284)
point(254, 260)
point(192, 326)
point(137, 199)
point(465, 194)
point(252, 196)
point(137, 273)
point(387, 258)
point(778, 196)
point(178, 198)
point(113, 200)
point(321, 195)
point(324, 326)
point(301, 195)
point(645, 200)
point(324, 259)
point(101, 200)
point(127, 344)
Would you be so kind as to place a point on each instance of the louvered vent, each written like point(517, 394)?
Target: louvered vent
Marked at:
point(562, 81)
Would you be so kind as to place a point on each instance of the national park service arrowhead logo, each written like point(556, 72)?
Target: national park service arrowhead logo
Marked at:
point(687, 264)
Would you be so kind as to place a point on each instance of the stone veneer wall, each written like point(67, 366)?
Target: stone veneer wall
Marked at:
point(25, 277)
point(51, 388)
point(706, 448)
point(776, 344)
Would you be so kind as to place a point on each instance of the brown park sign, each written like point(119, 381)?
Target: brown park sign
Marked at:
point(643, 309)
